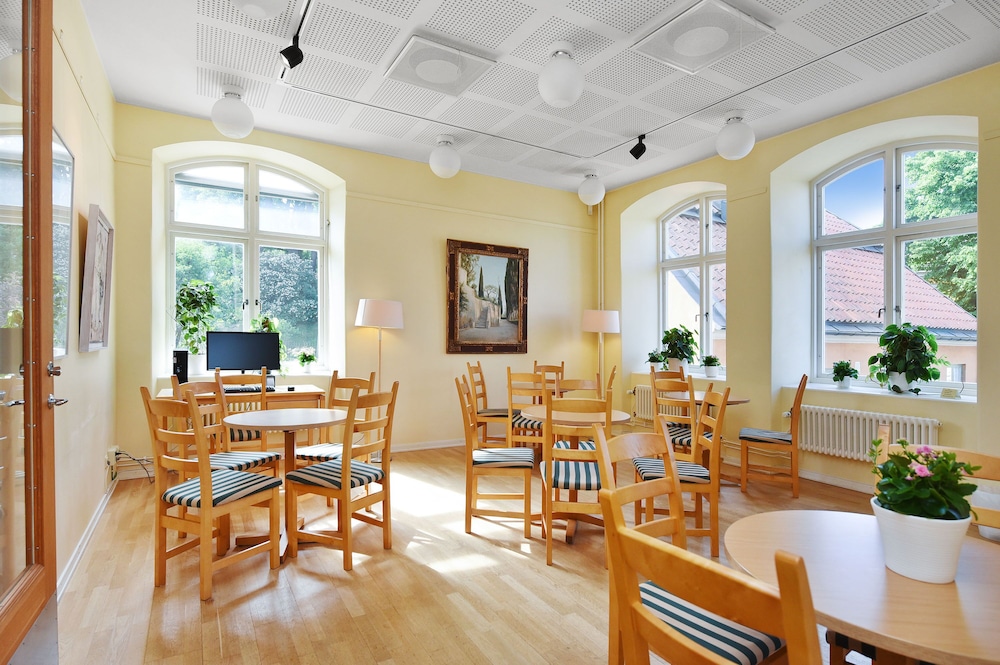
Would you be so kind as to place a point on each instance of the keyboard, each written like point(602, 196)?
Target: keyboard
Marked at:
point(246, 389)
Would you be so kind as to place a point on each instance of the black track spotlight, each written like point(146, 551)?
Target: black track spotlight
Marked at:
point(292, 55)
point(639, 149)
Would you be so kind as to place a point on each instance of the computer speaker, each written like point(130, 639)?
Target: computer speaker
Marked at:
point(180, 368)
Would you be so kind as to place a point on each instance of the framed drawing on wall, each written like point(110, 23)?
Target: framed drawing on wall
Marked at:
point(95, 305)
point(487, 298)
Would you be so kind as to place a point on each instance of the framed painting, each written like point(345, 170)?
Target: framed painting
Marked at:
point(95, 305)
point(487, 298)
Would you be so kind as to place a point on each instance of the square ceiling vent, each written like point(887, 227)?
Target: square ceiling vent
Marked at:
point(437, 67)
point(702, 35)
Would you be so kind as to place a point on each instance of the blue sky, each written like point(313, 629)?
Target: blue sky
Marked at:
point(857, 197)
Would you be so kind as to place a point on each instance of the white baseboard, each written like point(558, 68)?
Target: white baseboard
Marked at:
point(428, 445)
point(74, 560)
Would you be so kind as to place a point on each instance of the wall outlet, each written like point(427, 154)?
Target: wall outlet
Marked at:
point(112, 461)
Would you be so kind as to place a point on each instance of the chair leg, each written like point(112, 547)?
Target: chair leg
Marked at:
point(292, 528)
point(386, 516)
point(547, 523)
point(471, 488)
point(344, 511)
point(205, 557)
point(527, 503)
point(160, 556)
point(274, 533)
point(795, 472)
point(744, 461)
point(713, 524)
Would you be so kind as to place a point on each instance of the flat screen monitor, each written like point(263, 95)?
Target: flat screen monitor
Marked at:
point(242, 350)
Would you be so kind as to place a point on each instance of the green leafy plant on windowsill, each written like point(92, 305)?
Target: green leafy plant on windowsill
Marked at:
point(679, 343)
point(908, 350)
point(265, 323)
point(843, 369)
point(194, 311)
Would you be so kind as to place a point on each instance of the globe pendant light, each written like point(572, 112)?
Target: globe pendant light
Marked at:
point(736, 139)
point(10, 76)
point(231, 116)
point(260, 9)
point(561, 82)
point(445, 160)
point(591, 190)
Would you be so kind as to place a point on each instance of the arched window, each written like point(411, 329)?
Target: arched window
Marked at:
point(895, 240)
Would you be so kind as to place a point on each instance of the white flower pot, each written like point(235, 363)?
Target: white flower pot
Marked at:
point(711, 371)
point(899, 379)
point(197, 365)
point(844, 383)
point(920, 548)
point(675, 364)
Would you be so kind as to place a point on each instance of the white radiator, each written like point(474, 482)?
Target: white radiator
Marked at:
point(643, 408)
point(848, 433)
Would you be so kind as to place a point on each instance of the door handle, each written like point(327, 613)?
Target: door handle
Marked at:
point(53, 369)
point(14, 402)
point(56, 401)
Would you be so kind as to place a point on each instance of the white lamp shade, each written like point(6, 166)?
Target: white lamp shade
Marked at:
point(379, 313)
point(232, 117)
point(561, 82)
point(591, 190)
point(445, 160)
point(601, 320)
point(735, 140)
point(10, 76)
point(260, 9)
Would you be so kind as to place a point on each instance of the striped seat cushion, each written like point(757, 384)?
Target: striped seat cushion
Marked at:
point(227, 486)
point(651, 468)
point(496, 413)
point(508, 458)
point(523, 422)
point(328, 474)
point(572, 475)
point(242, 460)
point(244, 434)
point(582, 445)
point(765, 435)
point(733, 641)
point(680, 435)
point(321, 452)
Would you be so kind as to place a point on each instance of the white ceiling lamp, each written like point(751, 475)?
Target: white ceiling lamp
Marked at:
point(445, 160)
point(561, 82)
point(260, 9)
point(231, 116)
point(736, 139)
point(591, 190)
point(10, 76)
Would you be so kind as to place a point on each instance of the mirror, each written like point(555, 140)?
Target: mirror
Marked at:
point(62, 228)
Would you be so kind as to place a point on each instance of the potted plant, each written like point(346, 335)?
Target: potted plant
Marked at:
point(679, 346)
point(193, 311)
point(264, 323)
point(711, 365)
point(909, 353)
point(921, 509)
point(306, 359)
point(656, 356)
point(843, 372)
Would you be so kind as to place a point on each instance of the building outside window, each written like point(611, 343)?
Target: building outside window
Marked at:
point(895, 240)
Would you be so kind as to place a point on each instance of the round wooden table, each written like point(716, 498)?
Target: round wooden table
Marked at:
point(855, 594)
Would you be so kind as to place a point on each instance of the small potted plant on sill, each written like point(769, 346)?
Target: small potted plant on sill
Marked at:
point(711, 365)
point(909, 354)
point(843, 372)
point(656, 357)
point(306, 359)
point(679, 346)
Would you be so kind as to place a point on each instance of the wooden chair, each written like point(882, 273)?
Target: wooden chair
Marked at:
point(679, 413)
point(336, 478)
point(215, 493)
point(655, 374)
point(484, 414)
point(523, 389)
point(773, 441)
point(337, 397)
point(701, 481)
point(611, 381)
point(239, 402)
point(570, 464)
point(482, 461)
point(550, 373)
point(592, 387)
point(691, 610)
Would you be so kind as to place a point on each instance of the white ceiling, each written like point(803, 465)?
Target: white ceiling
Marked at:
point(823, 58)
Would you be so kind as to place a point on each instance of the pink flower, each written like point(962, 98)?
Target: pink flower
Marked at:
point(920, 469)
point(924, 450)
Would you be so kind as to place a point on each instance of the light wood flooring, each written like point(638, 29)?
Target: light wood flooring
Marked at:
point(439, 596)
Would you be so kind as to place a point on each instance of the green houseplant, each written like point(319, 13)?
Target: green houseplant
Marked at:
point(711, 365)
point(843, 372)
point(908, 351)
point(679, 343)
point(306, 359)
point(193, 311)
point(264, 323)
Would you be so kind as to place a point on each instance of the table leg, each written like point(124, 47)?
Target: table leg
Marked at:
point(288, 464)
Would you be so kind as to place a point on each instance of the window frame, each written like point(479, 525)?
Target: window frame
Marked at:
point(892, 235)
point(252, 240)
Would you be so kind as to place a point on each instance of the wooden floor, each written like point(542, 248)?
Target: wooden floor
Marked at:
point(439, 596)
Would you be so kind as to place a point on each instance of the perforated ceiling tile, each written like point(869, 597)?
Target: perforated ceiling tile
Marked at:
point(753, 109)
point(687, 95)
point(631, 121)
point(384, 123)
point(500, 150)
point(223, 10)
point(347, 33)
point(781, 6)
point(210, 83)
point(234, 51)
point(628, 73)
point(626, 17)
point(587, 107)
point(329, 76)
point(532, 130)
point(398, 8)
point(431, 130)
point(435, 66)
point(485, 23)
point(507, 83)
point(678, 135)
point(406, 98)
point(843, 22)
point(556, 162)
point(990, 10)
point(586, 144)
point(809, 82)
point(586, 43)
point(474, 114)
point(313, 107)
point(908, 43)
point(767, 58)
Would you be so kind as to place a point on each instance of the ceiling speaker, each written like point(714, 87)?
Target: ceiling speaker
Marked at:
point(437, 67)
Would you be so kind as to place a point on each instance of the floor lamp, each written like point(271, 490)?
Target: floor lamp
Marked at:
point(379, 314)
point(600, 321)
